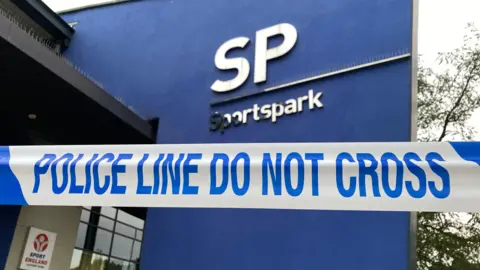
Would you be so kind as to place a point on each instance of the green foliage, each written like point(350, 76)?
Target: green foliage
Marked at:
point(98, 262)
point(447, 97)
point(448, 241)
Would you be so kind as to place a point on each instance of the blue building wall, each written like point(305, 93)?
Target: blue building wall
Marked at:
point(8, 223)
point(159, 57)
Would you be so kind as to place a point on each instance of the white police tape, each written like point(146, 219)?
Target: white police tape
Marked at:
point(337, 176)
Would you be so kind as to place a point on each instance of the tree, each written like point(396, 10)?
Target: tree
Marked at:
point(447, 97)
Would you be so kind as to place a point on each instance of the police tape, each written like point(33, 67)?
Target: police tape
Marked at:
point(335, 176)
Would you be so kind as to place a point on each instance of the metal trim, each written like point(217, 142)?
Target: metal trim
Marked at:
point(414, 67)
point(46, 18)
point(314, 78)
point(412, 228)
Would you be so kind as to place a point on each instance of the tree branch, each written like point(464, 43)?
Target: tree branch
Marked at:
point(472, 240)
point(457, 103)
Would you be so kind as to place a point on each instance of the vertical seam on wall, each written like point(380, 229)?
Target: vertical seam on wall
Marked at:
point(412, 226)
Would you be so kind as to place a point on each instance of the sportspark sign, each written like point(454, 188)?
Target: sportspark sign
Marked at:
point(351, 176)
point(263, 54)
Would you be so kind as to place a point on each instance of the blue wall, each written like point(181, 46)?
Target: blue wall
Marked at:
point(8, 223)
point(159, 57)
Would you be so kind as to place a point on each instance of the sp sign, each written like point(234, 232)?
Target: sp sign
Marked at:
point(262, 55)
point(258, 112)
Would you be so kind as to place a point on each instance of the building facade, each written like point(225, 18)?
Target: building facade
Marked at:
point(241, 72)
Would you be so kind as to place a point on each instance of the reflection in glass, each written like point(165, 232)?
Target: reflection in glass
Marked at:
point(122, 247)
point(129, 219)
point(139, 235)
point(105, 223)
point(136, 251)
point(108, 211)
point(125, 230)
point(97, 219)
point(85, 216)
point(82, 260)
point(102, 241)
point(81, 235)
point(76, 258)
point(94, 240)
point(119, 264)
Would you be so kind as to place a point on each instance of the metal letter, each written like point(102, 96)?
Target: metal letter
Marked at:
point(263, 54)
point(240, 63)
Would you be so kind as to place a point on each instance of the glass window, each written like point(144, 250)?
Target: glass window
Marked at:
point(81, 235)
point(136, 251)
point(129, 219)
point(82, 260)
point(117, 264)
point(109, 212)
point(103, 241)
point(107, 239)
point(93, 218)
point(122, 247)
point(76, 259)
point(85, 216)
point(125, 230)
point(106, 223)
point(139, 235)
point(99, 262)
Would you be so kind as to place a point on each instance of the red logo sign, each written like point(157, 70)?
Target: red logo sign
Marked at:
point(41, 242)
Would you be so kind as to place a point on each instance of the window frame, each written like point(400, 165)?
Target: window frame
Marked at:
point(97, 212)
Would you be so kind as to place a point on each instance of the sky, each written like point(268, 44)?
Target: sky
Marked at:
point(441, 27)
point(61, 5)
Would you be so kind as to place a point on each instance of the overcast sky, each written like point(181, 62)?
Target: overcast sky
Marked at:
point(441, 26)
point(60, 5)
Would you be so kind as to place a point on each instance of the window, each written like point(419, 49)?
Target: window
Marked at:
point(107, 239)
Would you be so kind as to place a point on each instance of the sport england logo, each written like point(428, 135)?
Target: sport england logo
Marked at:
point(263, 54)
point(40, 243)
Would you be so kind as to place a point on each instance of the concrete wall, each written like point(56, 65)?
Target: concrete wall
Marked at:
point(62, 220)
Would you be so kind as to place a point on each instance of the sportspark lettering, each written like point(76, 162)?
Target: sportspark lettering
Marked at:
point(271, 111)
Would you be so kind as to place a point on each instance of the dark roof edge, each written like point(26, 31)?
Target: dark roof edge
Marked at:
point(45, 17)
point(12, 33)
